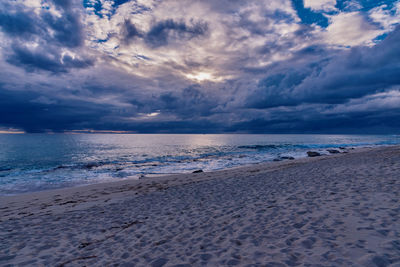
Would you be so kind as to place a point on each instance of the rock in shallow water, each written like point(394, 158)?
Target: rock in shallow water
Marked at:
point(283, 158)
point(333, 151)
point(287, 157)
point(313, 154)
point(197, 171)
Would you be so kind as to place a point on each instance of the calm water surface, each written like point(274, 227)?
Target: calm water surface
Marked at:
point(33, 162)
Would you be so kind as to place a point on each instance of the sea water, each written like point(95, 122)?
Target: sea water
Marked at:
point(34, 162)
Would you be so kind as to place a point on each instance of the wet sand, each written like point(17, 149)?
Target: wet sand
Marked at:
point(335, 210)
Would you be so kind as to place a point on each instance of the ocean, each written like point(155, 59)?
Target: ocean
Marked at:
point(35, 162)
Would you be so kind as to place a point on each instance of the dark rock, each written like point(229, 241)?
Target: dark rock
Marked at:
point(283, 158)
point(60, 167)
point(198, 171)
point(341, 147)
point(287, 157)
point(313, 154)
point(91, 165)
point(333, 151)
point(308, 243)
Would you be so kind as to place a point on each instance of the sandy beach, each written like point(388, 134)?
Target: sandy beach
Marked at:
point(334, 210)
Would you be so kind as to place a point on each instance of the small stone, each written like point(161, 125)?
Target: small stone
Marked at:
point(197, 171)
point(233, 262)
point(205, 257)
point(298, 225)
point(380, 261)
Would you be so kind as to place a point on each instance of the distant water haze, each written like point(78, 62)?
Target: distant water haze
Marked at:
point(34, 162)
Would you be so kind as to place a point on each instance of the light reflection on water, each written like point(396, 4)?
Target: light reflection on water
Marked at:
point(33, 162)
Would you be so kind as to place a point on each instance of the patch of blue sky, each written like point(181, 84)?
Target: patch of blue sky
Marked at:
point(309, 16)
point(94, 5)
point(102, 40)
point(119, 2)
point(97, 7)
point(142, 57)
point(380, 38)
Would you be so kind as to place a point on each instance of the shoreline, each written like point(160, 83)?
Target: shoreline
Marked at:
point(275, 161)
point(151, 183)
point(338, 209)
point(31, 178)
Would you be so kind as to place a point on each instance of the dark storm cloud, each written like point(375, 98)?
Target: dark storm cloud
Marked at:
point(29, 112)
point(189, 103)
point(366, 122)
point(68, 30)
point(351, 74)
point(19, 24)
point(51, 33)
point(164, 31)
point(47, 59)
point(34, 112)
point(130, 32)
point(22, 23)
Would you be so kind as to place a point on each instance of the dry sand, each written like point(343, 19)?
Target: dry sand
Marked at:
point(337, 210)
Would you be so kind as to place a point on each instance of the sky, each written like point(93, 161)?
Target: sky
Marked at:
point(185, 66)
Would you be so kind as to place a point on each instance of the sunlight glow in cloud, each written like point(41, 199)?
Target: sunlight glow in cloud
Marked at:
point(204, 76)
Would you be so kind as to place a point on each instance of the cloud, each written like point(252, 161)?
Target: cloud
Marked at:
point(388, 100)
point(32, 59)
point(387, 17)
point(353, 73)
point(44, 39)
point(198, 66)
point(351, 29)
point(67, 28)
point(129, 32)
point(18, 24)
point(320, 5)
point(164, 31)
